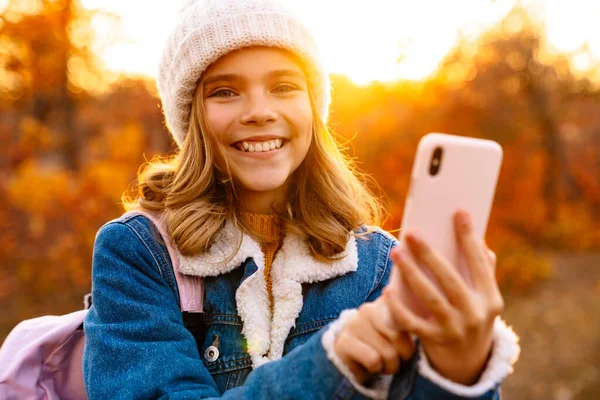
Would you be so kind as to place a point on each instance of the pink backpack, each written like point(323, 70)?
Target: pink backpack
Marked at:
point(41, 358)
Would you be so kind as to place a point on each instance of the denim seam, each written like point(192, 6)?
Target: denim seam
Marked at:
point(156, 263)
point(225, 316)
point(146, 232)
point(238, 380)
point(382, 260)
point(226, 366)
point(137, 234)
point(344, 390)
point(227, 384)
point(213, 321)
point(217, 322)
point(220, 361)
point(149, 241)
point(303, 332)
point(226, 319)
point(319, 321)
point(310, 327)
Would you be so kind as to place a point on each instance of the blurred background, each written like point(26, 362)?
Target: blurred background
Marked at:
point(79, 113)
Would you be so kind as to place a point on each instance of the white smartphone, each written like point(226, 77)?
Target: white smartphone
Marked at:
point(449, 172)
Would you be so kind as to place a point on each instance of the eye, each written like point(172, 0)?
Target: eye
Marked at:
point(222, 93)
point(285, 88)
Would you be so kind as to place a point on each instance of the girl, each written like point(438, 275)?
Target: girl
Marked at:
point(262, 205)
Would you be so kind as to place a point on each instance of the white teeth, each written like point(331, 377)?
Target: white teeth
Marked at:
point(260, 147)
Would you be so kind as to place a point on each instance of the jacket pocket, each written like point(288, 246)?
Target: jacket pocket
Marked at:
point(222, 348)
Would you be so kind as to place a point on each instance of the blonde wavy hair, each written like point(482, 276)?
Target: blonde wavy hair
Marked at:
point(193, 197)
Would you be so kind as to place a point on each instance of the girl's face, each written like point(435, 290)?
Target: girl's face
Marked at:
point(258, 111)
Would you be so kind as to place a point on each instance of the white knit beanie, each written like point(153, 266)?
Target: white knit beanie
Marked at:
point(209, 29)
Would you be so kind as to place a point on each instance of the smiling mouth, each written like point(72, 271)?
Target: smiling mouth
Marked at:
point(259, 147)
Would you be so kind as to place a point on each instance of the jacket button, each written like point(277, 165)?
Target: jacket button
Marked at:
point(211, 354)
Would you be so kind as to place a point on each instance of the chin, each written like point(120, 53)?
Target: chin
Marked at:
point(262, 183)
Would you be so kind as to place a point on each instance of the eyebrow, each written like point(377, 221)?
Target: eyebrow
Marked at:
point(221, 78)
point(286, 72)
point(234, 77)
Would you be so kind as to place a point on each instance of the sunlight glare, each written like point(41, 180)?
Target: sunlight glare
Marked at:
point(386, 41)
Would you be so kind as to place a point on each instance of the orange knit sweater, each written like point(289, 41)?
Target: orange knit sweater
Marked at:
point(270, 240)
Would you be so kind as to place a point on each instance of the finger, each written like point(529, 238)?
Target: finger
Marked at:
point(423, 287)
point(347, 348)
point(490, 255)
point(395, 280)
point(384, 323)
point(495, 298)
point(361, 374)
point(404, 345)
point(406, 319)
point(474, 253)
point(362, 353)
point(368, 332)
point(452, 283)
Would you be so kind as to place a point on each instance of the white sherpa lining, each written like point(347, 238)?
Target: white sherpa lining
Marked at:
point(504, 354)
point(381, 386)
point(292, 266)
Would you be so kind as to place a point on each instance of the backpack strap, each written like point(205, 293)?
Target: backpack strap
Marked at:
point(191, 288)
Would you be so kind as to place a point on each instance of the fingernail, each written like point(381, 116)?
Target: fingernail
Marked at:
point(414, 237)
point(400, 255)
point(404, 262)
point(464, 218)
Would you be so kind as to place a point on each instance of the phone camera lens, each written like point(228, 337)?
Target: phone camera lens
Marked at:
point(436, 161)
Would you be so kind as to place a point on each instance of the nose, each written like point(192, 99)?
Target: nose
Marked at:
point(259, 110)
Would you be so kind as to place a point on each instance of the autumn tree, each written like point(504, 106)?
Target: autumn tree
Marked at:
point(72, 141)
point(517, 90)
point(47, 60)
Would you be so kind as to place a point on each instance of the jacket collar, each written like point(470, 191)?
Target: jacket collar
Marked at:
point(292, 266)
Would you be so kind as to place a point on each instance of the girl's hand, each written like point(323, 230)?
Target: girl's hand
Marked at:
point(370, 344)
point(457, 336)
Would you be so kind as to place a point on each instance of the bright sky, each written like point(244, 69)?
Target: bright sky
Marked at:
point(362, 39)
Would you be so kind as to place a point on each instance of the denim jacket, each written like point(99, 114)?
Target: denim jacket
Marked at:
point(140, 345)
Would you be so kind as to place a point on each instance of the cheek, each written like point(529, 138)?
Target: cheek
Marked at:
point(303, 118)
point(217, 118)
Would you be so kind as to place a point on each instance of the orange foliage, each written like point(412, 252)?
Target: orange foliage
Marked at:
point(67, 155)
